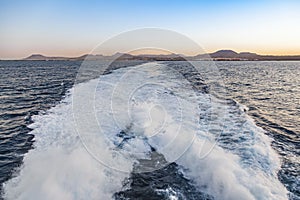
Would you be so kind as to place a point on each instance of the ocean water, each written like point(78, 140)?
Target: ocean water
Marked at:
point(271, 93)
point(149, 131)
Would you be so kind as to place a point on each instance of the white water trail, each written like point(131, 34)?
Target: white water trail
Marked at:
point(164, 113)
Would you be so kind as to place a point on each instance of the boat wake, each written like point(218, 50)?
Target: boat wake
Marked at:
point(146, 123)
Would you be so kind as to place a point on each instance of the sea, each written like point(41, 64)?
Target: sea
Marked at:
point(150, 130)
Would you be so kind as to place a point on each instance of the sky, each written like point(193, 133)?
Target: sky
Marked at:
point(73, 28)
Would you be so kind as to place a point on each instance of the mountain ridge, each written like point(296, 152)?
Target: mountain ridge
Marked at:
point(219, 55)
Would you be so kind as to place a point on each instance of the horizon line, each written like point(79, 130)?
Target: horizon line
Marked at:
point(152, 54)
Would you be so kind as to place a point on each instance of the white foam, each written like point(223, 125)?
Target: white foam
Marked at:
point(158, 108)
point(59, 167)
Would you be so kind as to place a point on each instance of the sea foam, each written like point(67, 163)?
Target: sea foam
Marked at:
point(79, 154)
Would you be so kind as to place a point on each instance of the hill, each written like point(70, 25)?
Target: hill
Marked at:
point(217, 56)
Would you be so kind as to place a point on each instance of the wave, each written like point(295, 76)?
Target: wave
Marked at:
point(86, 147)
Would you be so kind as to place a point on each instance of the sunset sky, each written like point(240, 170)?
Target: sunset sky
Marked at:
point(73, 28)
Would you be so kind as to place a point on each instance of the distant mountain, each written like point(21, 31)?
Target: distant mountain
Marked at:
point(232, 55)
point(116, 56)
point(217, 56)
point(248, 55)
point(36, 57)
point(224, 54)
point(42, 57)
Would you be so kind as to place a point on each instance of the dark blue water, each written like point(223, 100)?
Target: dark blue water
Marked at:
point(26, 89)
point(269, 90)
point(29, 88)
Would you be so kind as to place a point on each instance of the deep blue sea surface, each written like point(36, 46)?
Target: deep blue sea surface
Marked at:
point(248, 138)
point(271, 91)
